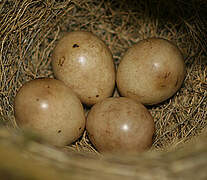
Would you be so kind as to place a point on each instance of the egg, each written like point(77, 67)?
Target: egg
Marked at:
point(151, 71)
point(84, 63)
point(120, 125)
point(51, 109)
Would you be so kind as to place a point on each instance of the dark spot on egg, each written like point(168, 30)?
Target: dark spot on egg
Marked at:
point(108, 132)
point(37, 99)
point(75, 45)
point(61, 61)
point(163, 86)
point(167, 74)
point(59, 131)
point(176, 83)
point(97, 95)
point(129, 112)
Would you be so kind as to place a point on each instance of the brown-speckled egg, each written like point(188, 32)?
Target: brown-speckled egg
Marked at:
point(51, 109)
point(84, 63)
point(151, 71)
point(120, 125)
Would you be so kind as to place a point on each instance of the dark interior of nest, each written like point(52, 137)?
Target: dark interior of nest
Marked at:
point(29, 31)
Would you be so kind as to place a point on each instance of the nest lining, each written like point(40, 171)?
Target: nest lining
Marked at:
point(30, 30)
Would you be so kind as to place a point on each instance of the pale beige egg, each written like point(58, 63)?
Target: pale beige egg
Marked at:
point(151, 71)
point(84, 63)
point(51, 109)
point(120, 125)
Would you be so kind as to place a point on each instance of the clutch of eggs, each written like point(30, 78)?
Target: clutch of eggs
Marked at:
point(150, 72)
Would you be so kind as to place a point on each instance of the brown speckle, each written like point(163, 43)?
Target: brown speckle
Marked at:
point(61, 61)
point(97, 95)
point(163, 86)
point(176, 83)
point(108, 132)
point(128, 112)
point(75, 45)
point(37, 99)
point(59, 131)
point(79, 128)
point(167, 74)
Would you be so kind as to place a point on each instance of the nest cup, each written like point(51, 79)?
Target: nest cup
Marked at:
point(29, 31)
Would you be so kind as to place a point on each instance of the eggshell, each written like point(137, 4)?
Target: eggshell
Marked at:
point(120, 125)
point(151, 71)
point(51, 109)
point(84, 63)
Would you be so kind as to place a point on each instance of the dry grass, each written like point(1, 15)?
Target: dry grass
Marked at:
point(30, 29)
point(32, 160)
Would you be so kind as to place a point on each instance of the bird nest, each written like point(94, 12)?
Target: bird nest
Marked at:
point(29, 31)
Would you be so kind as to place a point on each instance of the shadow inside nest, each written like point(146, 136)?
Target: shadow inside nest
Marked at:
point(189, 16)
